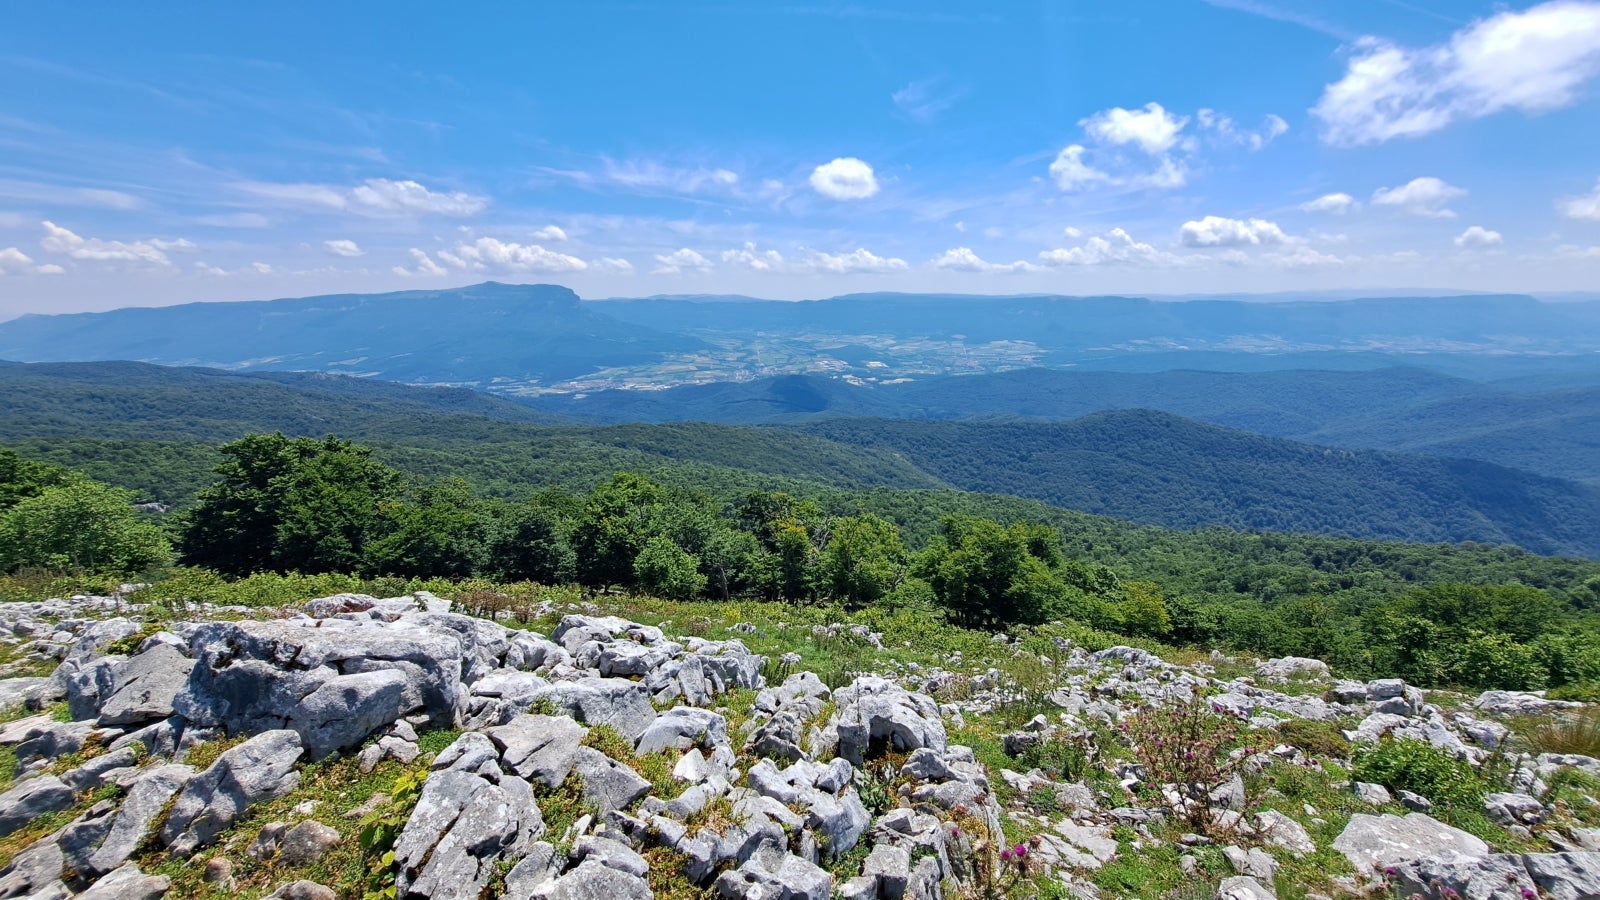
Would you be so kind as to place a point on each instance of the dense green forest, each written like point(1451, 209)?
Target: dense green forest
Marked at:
point(154, 430)
point(1435, 614)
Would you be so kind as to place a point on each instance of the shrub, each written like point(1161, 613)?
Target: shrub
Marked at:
point(1421, 768)
point(1188, 743)
point(1061, 756)
point(1315, 738)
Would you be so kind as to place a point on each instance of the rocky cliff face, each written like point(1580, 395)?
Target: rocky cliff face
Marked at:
point(607, 759)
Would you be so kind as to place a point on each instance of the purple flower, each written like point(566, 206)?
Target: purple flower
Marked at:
point(1529, 894)
point(1005, 855)
point(1020, 850)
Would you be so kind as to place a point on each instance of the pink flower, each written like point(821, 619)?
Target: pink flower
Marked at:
point(1005, 855)
point(1020, 850)
point(1529, 894)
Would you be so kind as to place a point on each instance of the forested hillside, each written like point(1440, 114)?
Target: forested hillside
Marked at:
point(1162, 469)
point(150, 428)
point(1548, 425)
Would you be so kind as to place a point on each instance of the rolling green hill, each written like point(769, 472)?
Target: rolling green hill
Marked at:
point(151, 428)
point(1156, 468)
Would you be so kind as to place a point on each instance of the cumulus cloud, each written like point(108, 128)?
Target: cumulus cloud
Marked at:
point(1300, 256)
point(1534, 61)
point(550, 233)
point(1425, 196)
point(1272, 127)
point(679, 262)
point(1152, 128)
point(1586, 206)
point(1477, 237)
point(374, 197)
point(343, 248)
point(1114, 247)
point(492, 253)
point(963, 259)
point(1217, 231)
point(1334, 204)
point(751, 258)
point(856, 261)
point(846, 178)
point(14, 262)
point(611, 264)
point(1071, 172)
point(425, 266)
point(859, 260)
point(151, 252)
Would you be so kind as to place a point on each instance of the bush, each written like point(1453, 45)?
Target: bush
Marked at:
point(1315, 738)
point(1188, 743)
point(1421, 768)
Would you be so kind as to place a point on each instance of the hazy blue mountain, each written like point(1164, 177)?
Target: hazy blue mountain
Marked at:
point(521, 339)
point(1549, 425)
point(473, 335)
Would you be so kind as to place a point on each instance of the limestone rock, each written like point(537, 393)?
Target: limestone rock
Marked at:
point(539, 748)
point(144, 686)
point(1375, 842)
point(1243, 887)
point(306, 843)
point(261, 768)
point(30, 799)
point(874, 711)
point(127, 883)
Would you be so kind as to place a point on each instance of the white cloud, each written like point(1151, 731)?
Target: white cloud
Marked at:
point(550, 233)
point(1335, 204)
point(1071, 172)
point(856, 261)
point(750, 257)
point(1272, 127)
point(261, 268)
point(235, 220)
point(488, 252)
point(56, 195)
point(49, 269)
point(1573, 251)
point(651, 174)
point(1152, 128)
point(425, 266)
point(205, 268)
point(924, 100)
point(376, 197)
point(1217, 231)
point(846, 178)
point(1072, 233)
point(1478, 237)
point(679, 262)
point(859, 260)
point(611, 264)
point(962, 259)
point(153, 252)
point(1425, 196)
point(1586, 206)
point(343, 248)
point(1300, 256)
point(14, 261)
point(1534, 61)
point(1114, 247)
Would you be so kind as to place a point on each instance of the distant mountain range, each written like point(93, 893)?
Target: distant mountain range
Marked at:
point(1549, 425)
point(529, 339)
point(152, 428)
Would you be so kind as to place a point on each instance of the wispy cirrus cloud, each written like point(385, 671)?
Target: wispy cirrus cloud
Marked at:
point(373, 197)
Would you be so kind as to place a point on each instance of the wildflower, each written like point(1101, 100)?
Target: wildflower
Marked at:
point(1529, 894)
point(1005, 855)
point(1020, 851)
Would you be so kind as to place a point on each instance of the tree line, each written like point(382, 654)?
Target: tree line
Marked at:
point(308, 505)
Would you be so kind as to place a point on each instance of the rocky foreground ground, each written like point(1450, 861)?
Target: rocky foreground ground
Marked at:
point(606, 759)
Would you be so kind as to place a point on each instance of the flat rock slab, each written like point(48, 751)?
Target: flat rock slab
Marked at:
point(1377, 842)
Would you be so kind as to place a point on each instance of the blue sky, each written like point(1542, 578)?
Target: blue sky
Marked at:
point(787, 150)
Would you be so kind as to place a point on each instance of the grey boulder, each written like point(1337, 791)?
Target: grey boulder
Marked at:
point(144, 686)
point(1377, 842)
point(261, 768)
